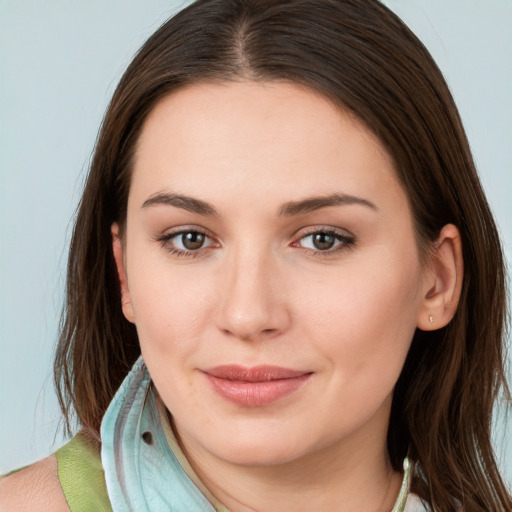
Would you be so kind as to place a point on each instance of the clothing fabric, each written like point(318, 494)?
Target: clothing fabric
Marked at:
point(82, 477)
point(142, 467)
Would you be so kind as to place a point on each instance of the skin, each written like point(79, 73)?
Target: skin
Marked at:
point(35, 487)
point(260, 292)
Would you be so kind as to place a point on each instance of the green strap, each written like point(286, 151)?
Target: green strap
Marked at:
point(81, 476)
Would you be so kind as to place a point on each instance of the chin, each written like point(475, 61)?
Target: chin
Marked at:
point(259, 448)
point(257, 455)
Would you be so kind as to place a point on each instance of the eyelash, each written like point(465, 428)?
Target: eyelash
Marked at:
point(346, 242)
point(180, 253)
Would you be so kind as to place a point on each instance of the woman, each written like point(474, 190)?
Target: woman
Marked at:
point(284, 219)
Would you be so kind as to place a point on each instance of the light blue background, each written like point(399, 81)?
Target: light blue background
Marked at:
point(59, 63)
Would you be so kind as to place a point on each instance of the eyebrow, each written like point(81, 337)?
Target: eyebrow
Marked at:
point(315, 203)
point(287, 210)
point(180, 201)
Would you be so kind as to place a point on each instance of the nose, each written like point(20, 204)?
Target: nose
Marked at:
point(252, 303)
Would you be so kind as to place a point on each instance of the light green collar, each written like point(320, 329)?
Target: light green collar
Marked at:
point(142, 472)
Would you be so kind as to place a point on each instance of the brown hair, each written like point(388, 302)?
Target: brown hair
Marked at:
point(360, 55)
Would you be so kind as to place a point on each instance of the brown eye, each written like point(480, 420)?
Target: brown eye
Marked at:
point(192, 240)
point(327, 242)
point(323, 241)
point(187, 242)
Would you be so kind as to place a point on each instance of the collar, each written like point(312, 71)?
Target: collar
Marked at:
point(145, 469)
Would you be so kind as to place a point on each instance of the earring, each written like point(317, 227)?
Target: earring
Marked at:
point(431, 319)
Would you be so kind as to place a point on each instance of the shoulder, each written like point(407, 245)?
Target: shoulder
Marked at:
point(35, 487)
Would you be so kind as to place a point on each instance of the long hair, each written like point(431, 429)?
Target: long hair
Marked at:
point(360, 55)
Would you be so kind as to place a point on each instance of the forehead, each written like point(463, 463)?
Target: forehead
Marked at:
point(268, 138)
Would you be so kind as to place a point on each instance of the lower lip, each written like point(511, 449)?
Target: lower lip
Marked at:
point(256, 394)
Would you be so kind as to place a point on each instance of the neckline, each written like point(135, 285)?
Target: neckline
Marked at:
point(141, 463)
point(174, 446)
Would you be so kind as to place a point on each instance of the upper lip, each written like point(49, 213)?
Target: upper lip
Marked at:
point(263, 373)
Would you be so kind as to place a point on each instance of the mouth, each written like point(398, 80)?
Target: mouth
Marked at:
point(255, 387)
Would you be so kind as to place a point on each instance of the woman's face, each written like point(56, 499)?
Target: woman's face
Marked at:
point(272, 272)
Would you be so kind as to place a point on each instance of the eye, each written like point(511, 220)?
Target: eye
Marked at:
point(325, 241)
point(185, 242)
point(191, 240)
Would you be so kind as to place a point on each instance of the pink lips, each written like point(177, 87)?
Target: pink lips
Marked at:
point(257, 386)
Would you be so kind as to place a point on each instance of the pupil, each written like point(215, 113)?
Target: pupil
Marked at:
point(323, 241)
point(192, 240)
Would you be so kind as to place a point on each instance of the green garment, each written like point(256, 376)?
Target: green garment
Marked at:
point(81, 476)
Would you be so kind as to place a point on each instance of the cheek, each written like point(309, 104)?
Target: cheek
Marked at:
point(363, 329)
point(171, 305)
point(364, 317)
point(171, 311)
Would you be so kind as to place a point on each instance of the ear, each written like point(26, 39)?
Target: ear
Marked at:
point(117, 247)
point(442, 283)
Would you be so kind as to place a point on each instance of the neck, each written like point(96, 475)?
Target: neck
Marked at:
point(353, 474)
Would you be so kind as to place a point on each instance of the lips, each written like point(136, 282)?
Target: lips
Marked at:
point(257, 386)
